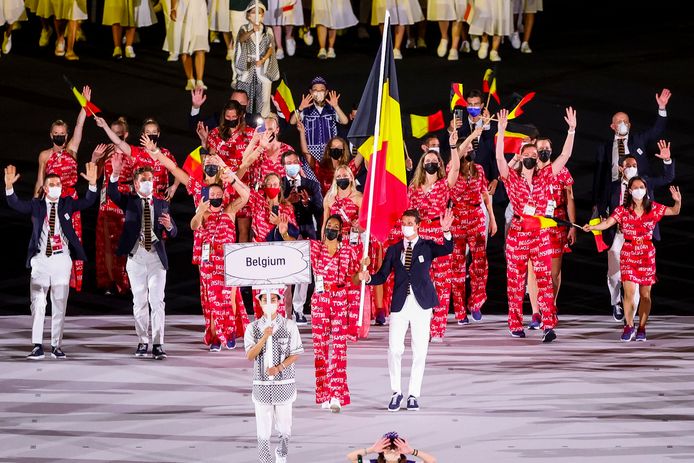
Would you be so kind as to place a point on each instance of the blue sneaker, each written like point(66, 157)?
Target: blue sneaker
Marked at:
point(535, 322)
point(640, 334)
point(549, 335)
point(629, 333)
point(412, 404)
point(476, 315)
point(215, 347)
point(395, 401)
point(517, 333)
point(380, 319)
point(231, 342)
point(618, 312)
point(464, 321)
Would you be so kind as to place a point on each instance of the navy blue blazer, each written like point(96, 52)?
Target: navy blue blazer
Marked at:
point(638, 144)
point(132, 206)
point(652, 183)
point(38, 211)
point(418, 275)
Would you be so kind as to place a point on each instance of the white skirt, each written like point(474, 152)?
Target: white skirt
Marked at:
point(11, 11)
point(62, 9)
point(333, 14)
point(276, 17)
point(402, 12)
point(220, 15)
point(129, 13)
point(492, 17)
point(194, 31)
point(446, 10)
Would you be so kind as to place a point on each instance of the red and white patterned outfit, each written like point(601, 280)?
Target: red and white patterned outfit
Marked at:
point(637, 258)
point(325, 176)
point(329, 313)
point(469, 231)
point(559, 236)
point(265, 165)
point(160, 174)
point(231, 152)
point(64, 165)
point(524, 245)
point(110, 268)
point(222, 321)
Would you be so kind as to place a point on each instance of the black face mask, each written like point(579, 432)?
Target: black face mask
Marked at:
point(59, 140)
point(342, 183)
point(331, 234)
point(335, 153)
point(470, 156)
point(154, 138)
point(211, 170)
point(544, 155)
point(216, 202)
point(231, 124)
point(431, 167)
point(529, 163)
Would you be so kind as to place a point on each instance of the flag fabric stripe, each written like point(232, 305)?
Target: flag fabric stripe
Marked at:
point(283, 100)
point(518, 110)
point(457, 98)
point(597, 235)
point(193, 163)
point(421, 125)
point(469, 13)
point(512, 141)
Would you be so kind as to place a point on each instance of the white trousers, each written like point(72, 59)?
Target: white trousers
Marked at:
point(419, 319)
point(265, 416)
point(299, 299)
point(49, 273)
point(147, 280)
point(614, 276)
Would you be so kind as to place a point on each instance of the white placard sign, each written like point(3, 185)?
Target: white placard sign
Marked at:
point(267, 264)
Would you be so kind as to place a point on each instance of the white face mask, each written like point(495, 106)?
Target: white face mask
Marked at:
point(269, 309)
point(622, 128)
point(318, 97)
point(54, 192)
point(407, 231)
point(292, 169)
point(638, 193)
point(146, 187)
point(630, 172)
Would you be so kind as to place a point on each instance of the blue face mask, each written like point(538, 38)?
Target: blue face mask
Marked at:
point(474, 112)
point(292, 169)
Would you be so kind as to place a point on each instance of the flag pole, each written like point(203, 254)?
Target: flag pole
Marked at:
point(374, 154)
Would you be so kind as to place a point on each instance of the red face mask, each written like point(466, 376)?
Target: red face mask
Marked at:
point(271, 193)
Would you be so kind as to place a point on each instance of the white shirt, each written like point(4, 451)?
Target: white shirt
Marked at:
point(295, 182)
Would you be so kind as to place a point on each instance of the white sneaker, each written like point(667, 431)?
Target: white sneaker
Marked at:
point(214, 37)
point(325, 405)
point(230, 54)
point(129, 52)
point(322, 54)
point(453, 55)
point(308, 38)
point(421, 43)
point(443, 47)
point(515, 40)
point(525, 48)
point(172, 57)
point(191, 84)
point(483, 51)
point(411, 43)
point(45, 37)
point(60, 48)
point(117, 53)
point(437, 340)
point(465, 47)
point(397, 54)
point(475, 43)
point(279, 54)
point(291, 46)
point(494, 56)
point(331, 53)
point(200, 84)
point(335, 406)
point(7, 44)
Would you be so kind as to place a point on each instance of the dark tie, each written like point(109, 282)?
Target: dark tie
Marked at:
point(475, 144)
point(51, 231)
point(408, 260)
point(148, 224)
point(620, 149)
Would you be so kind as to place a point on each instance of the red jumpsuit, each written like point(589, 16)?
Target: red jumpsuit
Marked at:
point(110, 268)
point(559, 236)
point(159, 173)
point(264, 165)
point(431, 206)
point(223, 321)
point(65, 166)
point(469, 231)
point(231, 151)
point(524, 245)
point(329, 320)
point(261, 227)
point(637, 258)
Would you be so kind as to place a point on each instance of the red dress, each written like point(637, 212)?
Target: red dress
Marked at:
point(637, 258)
point(329, 314)
point(264, 166)
point(559, 236)
point(110, 268)
point(159, 173)
point(222, 321)
point(65, 166)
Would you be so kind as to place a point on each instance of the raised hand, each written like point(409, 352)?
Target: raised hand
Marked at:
point(11, 176)
point(403, 447)
point(91, 173)
point(203, 207)
point(380, 445)
point(663, 98)
point(570, 118)
point(676, 195)
point(282, 223)
point(117, 163)
point(197, 98)
point(203, 133)
point(502, 115)
point(306, 101)
point(333, 98)
point(447, 221)
point(300, 125)
point(453, 138)
point(149, 145)
point(102, 150)
point(87, 92)
point(664, 148)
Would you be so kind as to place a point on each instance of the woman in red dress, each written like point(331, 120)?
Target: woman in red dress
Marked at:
point(637, 218)
point(61, 159)
point(263, 154)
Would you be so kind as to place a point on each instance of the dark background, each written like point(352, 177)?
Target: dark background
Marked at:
point(598, 57)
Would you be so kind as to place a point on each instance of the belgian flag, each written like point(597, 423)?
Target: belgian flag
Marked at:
point(388, 171)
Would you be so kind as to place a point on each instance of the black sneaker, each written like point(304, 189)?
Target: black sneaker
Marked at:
point(157, 352)
point(36, 353)
point(57, 353)
point(412, 404)
point(300, 319)
point(517, 333)
point(380, 319)
point(141, 350)
point(549, 335)
point(618, 312)
point(395, 401)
